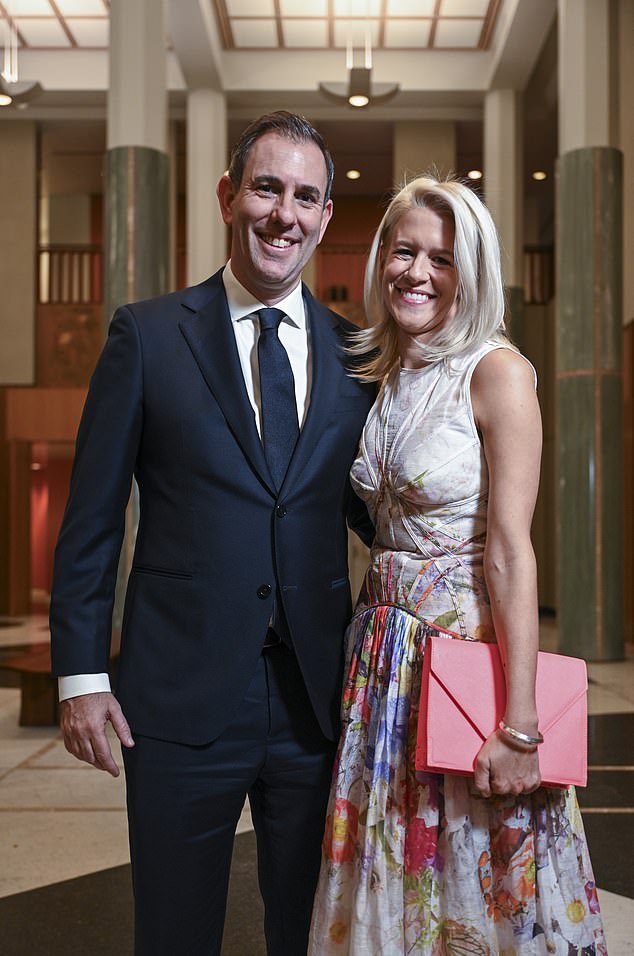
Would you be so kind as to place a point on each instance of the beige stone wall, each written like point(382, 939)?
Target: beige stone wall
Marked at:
point(18, 239)
point(422, 146)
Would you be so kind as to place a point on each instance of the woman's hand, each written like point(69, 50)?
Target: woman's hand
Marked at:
point(503, 766)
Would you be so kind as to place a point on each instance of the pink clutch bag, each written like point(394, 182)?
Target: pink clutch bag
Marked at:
point(463, 696)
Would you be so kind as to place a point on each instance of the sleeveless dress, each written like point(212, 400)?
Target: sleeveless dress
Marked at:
point(427, 866)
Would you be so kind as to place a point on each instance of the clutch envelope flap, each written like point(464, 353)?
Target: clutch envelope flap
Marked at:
point(561, 682)
point(474, 682)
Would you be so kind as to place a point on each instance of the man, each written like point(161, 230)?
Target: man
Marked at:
point(231, 653)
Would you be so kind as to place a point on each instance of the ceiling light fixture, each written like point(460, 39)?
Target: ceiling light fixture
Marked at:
point(475, 174)
point(12, 91)
point(18, 94)
point(539, 175)
point(353, 174)
point(359, 91)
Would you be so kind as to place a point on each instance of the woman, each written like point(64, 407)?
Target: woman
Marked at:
point(449, 468)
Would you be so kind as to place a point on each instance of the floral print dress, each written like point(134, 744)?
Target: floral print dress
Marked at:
point(427, 866)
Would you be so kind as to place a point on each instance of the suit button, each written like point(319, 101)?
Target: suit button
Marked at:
point(280, 511)
point(264, 590)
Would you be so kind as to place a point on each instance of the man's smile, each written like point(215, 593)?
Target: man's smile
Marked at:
point(278, 241)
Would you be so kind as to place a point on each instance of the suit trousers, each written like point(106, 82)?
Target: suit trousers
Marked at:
point(184, 803)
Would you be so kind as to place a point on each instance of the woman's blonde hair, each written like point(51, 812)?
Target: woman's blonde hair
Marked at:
point(480, 295)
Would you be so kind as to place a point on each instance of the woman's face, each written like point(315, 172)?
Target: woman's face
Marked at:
point(419, 278)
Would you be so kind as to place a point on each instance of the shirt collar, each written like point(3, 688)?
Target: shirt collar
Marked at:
point(242, 304)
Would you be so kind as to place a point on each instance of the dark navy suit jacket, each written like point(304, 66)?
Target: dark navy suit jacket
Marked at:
point(167, 403)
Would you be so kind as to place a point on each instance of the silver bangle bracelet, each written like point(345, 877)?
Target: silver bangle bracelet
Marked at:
point(518, 735)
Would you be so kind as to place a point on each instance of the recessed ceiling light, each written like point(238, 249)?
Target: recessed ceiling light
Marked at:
point(353, 174)
point(475, 174)
point(358, 100)
point(539, 175)
point(5, 100)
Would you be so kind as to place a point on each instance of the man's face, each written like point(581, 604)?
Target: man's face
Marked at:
point(278, 216)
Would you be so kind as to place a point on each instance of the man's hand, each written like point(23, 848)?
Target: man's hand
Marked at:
point(83, 722)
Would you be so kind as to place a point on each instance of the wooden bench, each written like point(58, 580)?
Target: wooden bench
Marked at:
point(38, 701)
point(38, 687)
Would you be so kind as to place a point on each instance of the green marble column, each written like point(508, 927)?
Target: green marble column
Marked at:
point(590, 403)
point(137, 225)
point(137, 267)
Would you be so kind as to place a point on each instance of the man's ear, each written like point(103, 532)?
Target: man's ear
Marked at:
point(325, 219)
point(226, 195)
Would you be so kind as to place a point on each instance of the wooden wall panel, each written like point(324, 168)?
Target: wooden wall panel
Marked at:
point(43, 414)
point(69, 340)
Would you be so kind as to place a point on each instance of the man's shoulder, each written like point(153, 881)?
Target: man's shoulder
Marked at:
point(190, 298)
point(339, 322)
point(347, 331)
point(344, 332)
point(344, 324)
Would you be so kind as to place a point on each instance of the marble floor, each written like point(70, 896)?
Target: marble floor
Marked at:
point(61, 821)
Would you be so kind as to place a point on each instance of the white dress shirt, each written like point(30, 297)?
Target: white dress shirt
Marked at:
point(293, 334)
point(295, 337)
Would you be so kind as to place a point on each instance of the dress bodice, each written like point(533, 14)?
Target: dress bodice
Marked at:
point(422, 472)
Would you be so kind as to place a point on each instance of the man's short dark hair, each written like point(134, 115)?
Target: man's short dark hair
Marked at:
point(290, 125)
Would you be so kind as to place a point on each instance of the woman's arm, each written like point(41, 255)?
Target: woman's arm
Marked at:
point(507, 414)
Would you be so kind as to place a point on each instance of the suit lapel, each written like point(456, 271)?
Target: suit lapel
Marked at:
point(328, 370)
point(206, 326)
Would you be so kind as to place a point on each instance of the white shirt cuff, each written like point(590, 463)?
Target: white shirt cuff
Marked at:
point(79, 684)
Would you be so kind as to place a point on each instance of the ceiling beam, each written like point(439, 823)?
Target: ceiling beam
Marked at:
point(194, 37)
point(520, 36)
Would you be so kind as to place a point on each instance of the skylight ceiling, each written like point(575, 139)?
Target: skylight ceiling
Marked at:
point(332, 24)
point(277, 24)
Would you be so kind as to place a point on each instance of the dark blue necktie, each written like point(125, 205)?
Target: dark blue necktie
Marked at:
point(280, 427)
